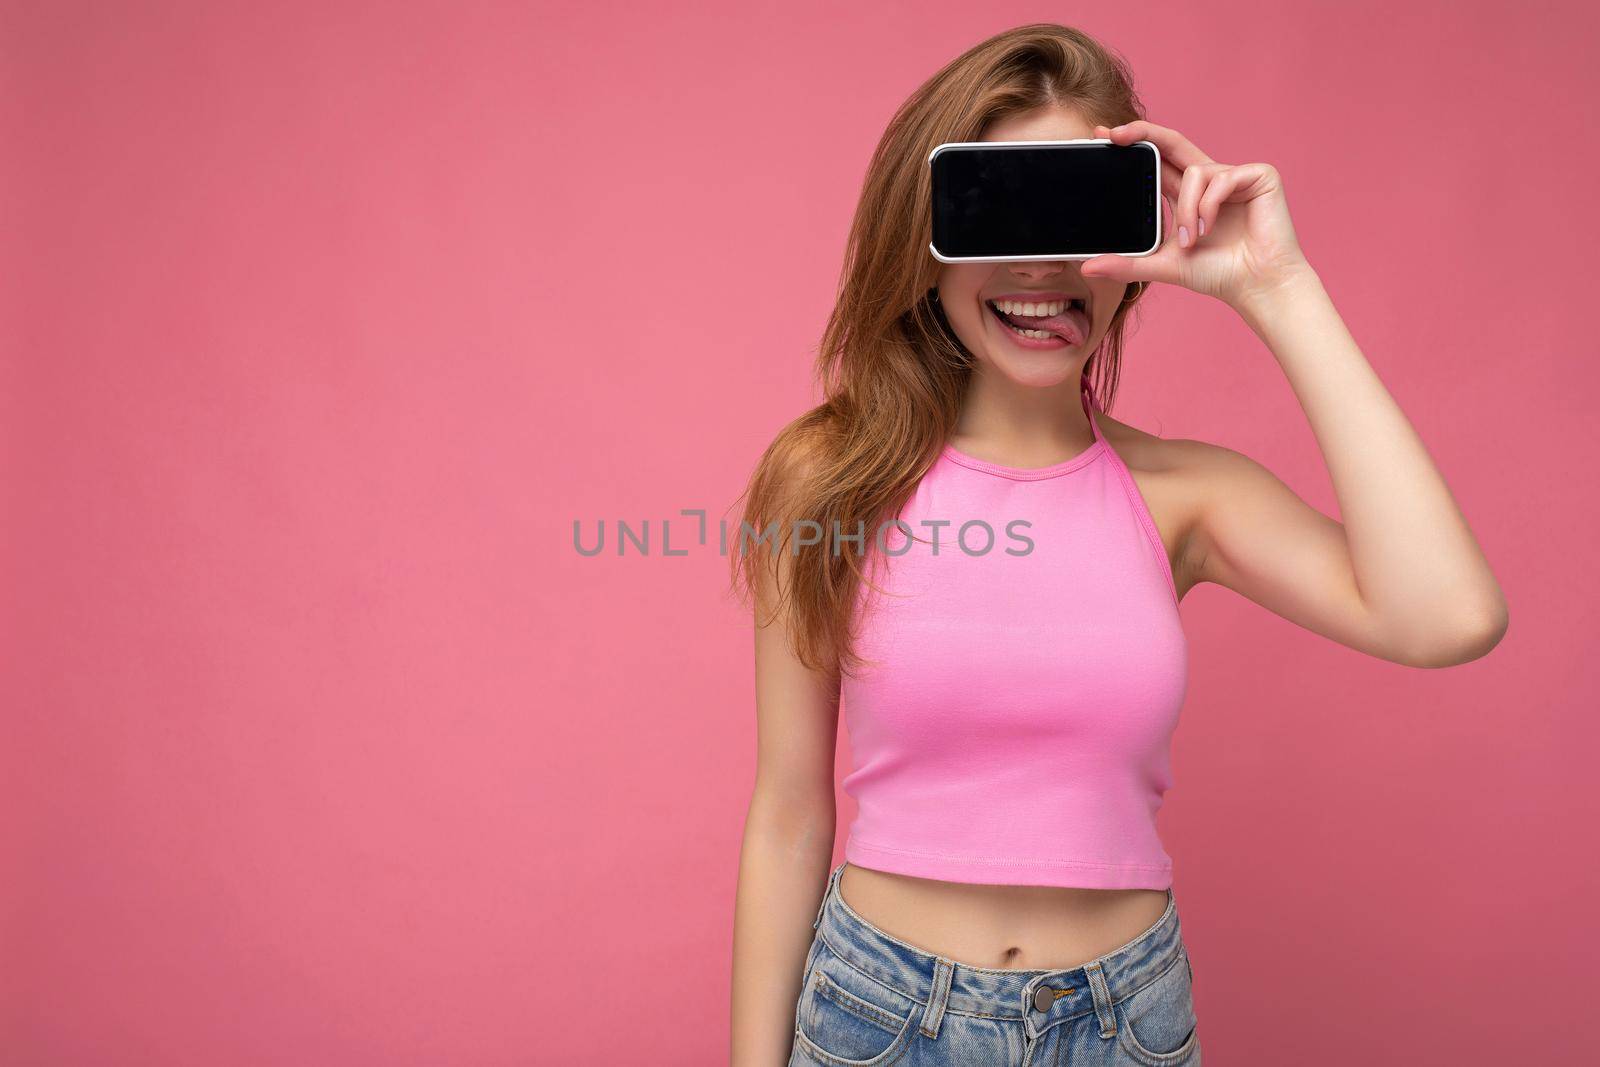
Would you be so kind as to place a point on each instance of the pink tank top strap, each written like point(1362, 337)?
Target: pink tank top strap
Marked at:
point(1090, 406)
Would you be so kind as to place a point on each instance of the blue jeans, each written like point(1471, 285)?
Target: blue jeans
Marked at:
point(871, 1000)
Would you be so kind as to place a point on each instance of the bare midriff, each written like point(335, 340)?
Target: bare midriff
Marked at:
point(1001, 927)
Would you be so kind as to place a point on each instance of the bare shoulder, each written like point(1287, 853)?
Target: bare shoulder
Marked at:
point(1183, 458)
point(1177, 476)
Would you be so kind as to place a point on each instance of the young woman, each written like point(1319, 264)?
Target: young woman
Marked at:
point(1011, 695)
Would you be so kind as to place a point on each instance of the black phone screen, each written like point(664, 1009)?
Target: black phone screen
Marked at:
point(1047, 199)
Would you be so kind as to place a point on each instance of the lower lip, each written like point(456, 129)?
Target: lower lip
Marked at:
point(1042, 343)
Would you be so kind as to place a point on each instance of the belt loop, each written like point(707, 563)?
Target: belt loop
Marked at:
point(833, 879)
point(943, 971)
point(1102, 998)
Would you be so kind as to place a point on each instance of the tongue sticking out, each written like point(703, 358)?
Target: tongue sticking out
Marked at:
point(1072, 325)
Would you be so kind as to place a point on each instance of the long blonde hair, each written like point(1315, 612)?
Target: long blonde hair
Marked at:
point(891, 369)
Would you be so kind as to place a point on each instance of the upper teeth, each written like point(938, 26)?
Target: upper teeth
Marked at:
point(1017, 307)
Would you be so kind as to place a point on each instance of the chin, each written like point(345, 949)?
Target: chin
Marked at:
point(1041, 372)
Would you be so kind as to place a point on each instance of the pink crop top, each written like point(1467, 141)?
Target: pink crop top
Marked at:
point(1017, 725)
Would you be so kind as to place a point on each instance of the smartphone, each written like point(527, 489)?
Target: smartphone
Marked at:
point(997, 201)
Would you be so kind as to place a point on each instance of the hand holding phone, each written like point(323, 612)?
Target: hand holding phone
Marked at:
point(1233, 237)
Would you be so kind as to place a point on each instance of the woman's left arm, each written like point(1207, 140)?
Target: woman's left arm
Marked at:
point(1402, 577)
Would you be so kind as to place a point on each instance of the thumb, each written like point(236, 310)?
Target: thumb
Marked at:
point(1151, 268)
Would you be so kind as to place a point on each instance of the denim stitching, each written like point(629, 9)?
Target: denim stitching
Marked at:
point(1177, 958)
point(838, 898)
point(1101, 993)
point(817, 1052)
point(871, 978)
point(856, 1006)
point(1138, 1051)
point(949, 1010)
point(1158, 1059)
point(944, 972)
point(1172, 906)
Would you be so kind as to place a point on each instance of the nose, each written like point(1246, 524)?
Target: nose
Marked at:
point(1035, 270)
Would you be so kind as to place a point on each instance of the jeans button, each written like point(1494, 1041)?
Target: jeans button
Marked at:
point(1043, 997)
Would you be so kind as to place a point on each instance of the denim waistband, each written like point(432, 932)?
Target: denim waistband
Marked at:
point(941, 984)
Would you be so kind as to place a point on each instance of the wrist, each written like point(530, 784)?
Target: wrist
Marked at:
point(1261, 303)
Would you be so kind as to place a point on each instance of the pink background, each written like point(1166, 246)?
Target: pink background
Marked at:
point(324, 322)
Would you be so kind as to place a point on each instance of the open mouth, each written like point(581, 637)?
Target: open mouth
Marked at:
point(1065, 320)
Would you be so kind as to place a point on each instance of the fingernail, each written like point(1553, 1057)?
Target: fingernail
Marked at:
point(1201, 225)
point(1183, 236)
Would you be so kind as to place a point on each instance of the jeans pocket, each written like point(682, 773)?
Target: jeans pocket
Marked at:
point(846, 1019)
point(1156, 1024)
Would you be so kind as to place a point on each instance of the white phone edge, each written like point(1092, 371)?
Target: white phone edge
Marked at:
point(942, 258)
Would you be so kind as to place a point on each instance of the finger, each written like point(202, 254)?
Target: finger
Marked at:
point(1161, 266)
point(1174, 145)
point(1236, 183)
point(1217, 192)
point(1171, 177)
point(1245, 179)
point(1184, 213)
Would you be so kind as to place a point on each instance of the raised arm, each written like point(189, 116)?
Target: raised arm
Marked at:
point(1401, 577)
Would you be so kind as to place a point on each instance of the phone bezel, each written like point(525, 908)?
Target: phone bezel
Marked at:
point(941, 257)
